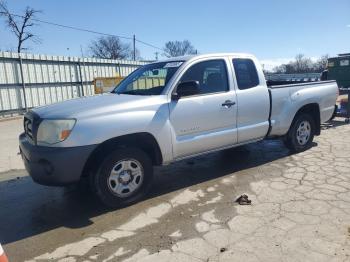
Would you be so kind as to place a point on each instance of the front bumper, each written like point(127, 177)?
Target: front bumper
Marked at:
point(54, 166)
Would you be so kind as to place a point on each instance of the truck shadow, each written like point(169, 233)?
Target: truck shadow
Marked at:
point(28, 209)
point(337, 122)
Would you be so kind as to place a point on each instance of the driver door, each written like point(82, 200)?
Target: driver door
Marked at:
point(205, 121)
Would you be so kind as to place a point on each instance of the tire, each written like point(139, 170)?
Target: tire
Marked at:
point(123, 178)
point(334, 113)
point(301, 133)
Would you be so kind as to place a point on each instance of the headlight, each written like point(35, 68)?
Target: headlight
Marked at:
point(54, 131)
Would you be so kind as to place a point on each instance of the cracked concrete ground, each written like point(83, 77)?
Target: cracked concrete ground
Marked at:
point(300, 210)
point(10, 130)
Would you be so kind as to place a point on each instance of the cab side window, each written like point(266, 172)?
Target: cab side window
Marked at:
point(211, 75)
point(246, 74)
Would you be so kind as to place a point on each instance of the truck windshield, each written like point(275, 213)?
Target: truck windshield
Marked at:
point(149, 79)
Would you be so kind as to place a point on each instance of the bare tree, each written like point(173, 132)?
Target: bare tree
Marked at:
point(321, 63)
point(111, 47)
point(178, 48)
point(20, 25)
point(303, 64)
point(281, 69)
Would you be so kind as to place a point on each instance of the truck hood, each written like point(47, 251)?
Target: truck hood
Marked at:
point(97, 105)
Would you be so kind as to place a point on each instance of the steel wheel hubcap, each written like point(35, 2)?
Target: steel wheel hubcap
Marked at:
point(125, 177)
point(303, 132)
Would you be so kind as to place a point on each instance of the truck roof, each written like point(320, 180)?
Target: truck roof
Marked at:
point(189, 57)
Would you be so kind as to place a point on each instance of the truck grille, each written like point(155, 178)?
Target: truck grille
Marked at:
point(28, 127)
point(31, 122)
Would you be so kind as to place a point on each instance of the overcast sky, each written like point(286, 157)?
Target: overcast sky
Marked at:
point(275, 31)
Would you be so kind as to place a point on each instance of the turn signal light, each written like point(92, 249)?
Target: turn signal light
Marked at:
point(65, 134)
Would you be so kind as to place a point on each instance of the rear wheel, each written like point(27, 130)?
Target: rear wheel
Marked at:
point(334, 113)
point(123, 177)
point(301, 133)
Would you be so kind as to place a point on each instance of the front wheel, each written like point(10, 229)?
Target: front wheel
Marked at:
point(301, 133)
point(123, 177)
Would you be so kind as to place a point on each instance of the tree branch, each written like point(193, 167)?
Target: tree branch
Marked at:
point(19, 28)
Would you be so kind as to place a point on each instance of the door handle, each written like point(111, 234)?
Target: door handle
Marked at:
point(228, 103)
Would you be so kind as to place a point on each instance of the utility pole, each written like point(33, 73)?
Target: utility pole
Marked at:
point(81, 78)
point(23, 82)
point(81, 75)
point(134, 47)
point(156, 53)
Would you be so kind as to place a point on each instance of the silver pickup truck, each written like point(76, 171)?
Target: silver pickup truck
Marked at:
point(164, 112)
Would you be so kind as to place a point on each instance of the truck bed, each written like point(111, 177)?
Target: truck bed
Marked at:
point(285, 84)
point(285, 99)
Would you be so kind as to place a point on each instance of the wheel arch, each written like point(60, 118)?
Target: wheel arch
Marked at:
point(312, 109)
point(144, 141)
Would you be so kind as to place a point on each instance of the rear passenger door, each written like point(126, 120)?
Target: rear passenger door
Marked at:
point(253, 100)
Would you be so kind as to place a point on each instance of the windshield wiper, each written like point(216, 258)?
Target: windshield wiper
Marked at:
point(131, 92)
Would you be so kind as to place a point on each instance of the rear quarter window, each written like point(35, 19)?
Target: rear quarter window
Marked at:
point(246, 73)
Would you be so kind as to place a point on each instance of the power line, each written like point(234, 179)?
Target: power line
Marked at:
point(150, 45)
point(73, 27)
point(87, 30)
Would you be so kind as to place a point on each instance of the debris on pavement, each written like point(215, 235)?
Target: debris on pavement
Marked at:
point(243, 200)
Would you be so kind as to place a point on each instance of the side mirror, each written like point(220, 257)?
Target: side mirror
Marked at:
point(187, 88)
